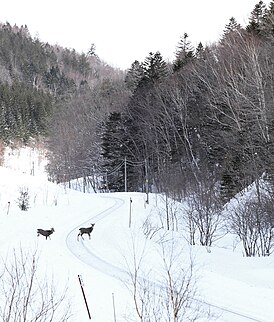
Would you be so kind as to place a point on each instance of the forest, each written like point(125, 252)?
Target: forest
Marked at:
point(200, 126)
point(204, 119)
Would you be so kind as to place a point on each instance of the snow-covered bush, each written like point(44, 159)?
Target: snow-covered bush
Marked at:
point(23, 199)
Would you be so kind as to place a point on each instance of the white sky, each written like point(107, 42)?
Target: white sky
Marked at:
point(125, 30)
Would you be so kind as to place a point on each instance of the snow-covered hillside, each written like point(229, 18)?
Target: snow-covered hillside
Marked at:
point(235, 288)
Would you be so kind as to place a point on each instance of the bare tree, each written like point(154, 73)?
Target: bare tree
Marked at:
point(168, 293)
point(169, 215)
point(25, 296)
point(253, 222)
point(179, 290)
point(151, 228)
point(237, 77)
point(203, 215)
point(139, 294)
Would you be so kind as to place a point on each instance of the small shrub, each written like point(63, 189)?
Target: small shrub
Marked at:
point(23, 200)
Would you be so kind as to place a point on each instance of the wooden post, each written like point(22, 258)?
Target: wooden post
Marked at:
point(8, 207)
point(113, 303)
point(130, 202)
point(81, 284)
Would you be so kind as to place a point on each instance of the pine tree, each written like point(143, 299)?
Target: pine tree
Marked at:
point(184, 54)
point(134, 75)
point(267, 21)
point(199, 50)
point(155, 68)
point(256, 18)
point(92, 50)
point(114, 151)
point(232, 26)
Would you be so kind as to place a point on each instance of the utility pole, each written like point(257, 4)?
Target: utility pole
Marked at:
point(125, 174)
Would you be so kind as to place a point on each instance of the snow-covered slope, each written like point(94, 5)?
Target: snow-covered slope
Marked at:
point(242, 287)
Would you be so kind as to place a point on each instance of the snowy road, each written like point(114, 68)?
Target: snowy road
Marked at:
point(86, 254)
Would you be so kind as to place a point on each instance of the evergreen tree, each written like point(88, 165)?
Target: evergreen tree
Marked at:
point(199, 50)
point(231, 27)
point(256, 18)
point(267, 22)
point(134, 75)
point(116, 153)
point(184, 54)
point(92, 50)
point(155, 68)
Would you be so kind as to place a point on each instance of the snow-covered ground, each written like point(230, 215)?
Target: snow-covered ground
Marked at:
point(237, 288)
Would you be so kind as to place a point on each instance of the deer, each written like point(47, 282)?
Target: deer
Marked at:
point(83, 231)
point(45, 233)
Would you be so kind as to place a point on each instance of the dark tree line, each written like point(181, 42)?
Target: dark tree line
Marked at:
point(35, 77)
point(23, 112)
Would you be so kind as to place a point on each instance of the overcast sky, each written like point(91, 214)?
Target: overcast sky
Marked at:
point(125, 30)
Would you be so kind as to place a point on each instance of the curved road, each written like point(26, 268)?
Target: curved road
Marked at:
point(83, 253)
